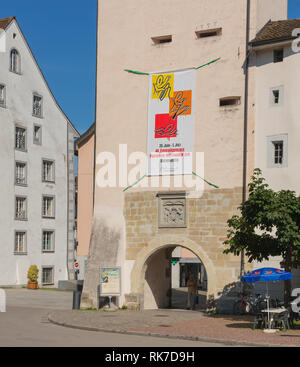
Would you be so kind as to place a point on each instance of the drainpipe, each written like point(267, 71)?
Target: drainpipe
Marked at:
point(246, 71)
point(96, 94)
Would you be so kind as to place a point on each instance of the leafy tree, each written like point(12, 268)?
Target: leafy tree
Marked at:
point(269, 225)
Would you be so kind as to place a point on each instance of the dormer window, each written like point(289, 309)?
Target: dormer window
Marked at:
point(15, 62)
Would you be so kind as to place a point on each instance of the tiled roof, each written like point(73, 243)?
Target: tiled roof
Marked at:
point(90, 131)
point(5, 22)
point(280, 30)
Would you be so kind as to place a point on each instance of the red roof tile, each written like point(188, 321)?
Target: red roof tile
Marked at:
point(5, 22)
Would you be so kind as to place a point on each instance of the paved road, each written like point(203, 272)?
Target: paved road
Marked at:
point(25, 324)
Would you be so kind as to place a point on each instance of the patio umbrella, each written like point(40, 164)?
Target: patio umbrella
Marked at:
point(266, 275)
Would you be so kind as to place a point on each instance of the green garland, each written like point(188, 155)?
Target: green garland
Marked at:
point(197, 68)
point(195, 174)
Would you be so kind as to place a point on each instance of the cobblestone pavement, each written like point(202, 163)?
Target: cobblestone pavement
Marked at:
point(233, 330)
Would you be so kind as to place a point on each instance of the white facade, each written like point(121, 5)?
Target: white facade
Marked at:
point(277, 121)
point(122, 105)
point(55, 145)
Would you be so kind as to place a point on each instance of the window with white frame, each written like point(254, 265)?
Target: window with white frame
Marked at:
point(21, 173)
point(48, 171)
point(47, 275)
point(37, 106)
point(48, 241)
point(21, 208)
point(48, 207)
point(20, 243)
point(37, 134)
point(277, 155)
point(15, 61)
point(20, 138)
point(278, 152)
point(276, 96)
point(2, 95)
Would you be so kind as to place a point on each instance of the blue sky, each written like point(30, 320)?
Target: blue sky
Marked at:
point(62, 35)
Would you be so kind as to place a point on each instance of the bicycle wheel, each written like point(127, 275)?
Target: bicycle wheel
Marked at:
point(239, 308)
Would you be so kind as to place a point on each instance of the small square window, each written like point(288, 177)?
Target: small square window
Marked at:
point(48, 171)
point(21, 173)
point(37, 134)
point(37, 106)
point(162, 39)
point(278, 55)
point(276, 96)
point(48, 241)
point(230, 101)
point(277, 152)
point(20, 138)
point(2, 96)
point(47, 275)
point(209, 33)
point(48, 209)
point(21, 208)
point(20, 243)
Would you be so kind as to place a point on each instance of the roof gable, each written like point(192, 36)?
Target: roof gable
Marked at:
point(4, 22)
point(275, 31)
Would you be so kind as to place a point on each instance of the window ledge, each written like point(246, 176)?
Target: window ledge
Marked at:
point(39, 117)
point(15, 72)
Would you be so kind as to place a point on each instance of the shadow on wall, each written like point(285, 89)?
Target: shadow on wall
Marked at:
point(225, 299)
point(233, 292)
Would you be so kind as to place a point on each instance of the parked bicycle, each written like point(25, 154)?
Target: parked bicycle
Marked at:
point(250, 304)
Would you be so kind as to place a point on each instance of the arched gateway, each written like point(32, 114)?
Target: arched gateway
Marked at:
point(138, 273)
point(197, 224)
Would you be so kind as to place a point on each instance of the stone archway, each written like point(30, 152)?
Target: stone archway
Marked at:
point(139, 269)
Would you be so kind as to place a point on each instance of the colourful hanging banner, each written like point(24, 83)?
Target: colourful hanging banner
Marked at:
point(171, 123)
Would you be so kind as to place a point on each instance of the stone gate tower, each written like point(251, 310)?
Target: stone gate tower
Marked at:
point(130, 228)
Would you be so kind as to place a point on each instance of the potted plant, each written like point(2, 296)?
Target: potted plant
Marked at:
point(32, 275)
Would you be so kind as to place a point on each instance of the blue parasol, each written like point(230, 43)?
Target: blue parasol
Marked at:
point(266, 275)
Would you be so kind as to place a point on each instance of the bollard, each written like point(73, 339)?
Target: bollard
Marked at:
point(76, 300)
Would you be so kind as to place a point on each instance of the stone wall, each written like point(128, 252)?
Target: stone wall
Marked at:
point(203, 231)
